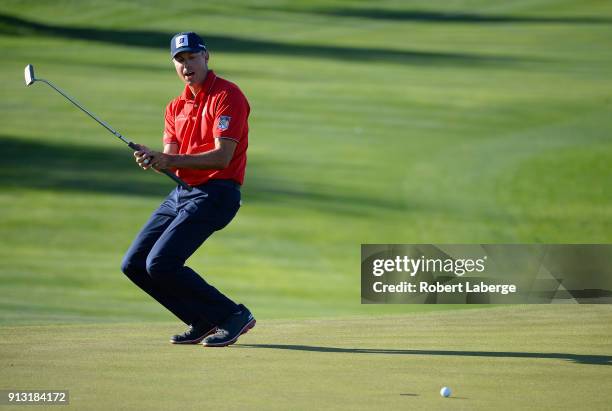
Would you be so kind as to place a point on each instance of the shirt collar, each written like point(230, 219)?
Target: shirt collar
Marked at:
point(210, 78)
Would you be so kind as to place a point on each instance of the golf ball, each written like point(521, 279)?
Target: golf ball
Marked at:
point(445, 392)
point(146, 161)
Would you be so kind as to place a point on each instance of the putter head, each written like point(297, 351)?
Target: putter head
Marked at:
point(29, 74)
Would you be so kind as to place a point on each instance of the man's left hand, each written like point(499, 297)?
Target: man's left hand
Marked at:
point(160, 161)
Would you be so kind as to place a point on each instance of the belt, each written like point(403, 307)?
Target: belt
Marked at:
point(223, 182)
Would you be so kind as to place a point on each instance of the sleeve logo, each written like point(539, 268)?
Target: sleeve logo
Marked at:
point(223, 123)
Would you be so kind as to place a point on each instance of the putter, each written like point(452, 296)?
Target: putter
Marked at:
point(30, 79)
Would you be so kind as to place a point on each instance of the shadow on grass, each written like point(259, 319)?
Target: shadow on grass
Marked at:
point(52, 166)
point(430, 16)
point(40, 165)
point(89, 169)
point(19, 26)
point(348, 203)
point(577, 358)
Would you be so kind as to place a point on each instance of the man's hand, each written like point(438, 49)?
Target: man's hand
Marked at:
point(147, 158)
point(216, 159)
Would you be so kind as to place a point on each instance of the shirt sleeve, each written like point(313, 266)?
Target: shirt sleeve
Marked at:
point(169, 130)
point(231, 116)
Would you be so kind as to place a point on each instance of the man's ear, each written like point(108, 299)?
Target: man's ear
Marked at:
point(206, 56)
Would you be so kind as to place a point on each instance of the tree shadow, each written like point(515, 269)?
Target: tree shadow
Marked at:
point(39, 165)
point(36, 164)
point(576, 358)
point(19, 26)
point(430, 16)
point(350, 203)
point(78, 168)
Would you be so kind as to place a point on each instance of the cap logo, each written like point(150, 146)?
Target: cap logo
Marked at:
point(181, 41)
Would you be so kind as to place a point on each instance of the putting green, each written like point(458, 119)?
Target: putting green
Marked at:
point(536, 357)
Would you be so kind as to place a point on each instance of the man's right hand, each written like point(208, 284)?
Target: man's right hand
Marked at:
point(143, 156)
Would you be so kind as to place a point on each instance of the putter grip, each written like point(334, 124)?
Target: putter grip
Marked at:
point(170, 174)
point(177, 180)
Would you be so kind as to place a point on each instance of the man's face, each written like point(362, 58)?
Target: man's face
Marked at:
point(191, 67)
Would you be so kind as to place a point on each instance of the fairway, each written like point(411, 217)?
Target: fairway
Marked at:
point(525, 357)
point(485, 123)
point(408, 122)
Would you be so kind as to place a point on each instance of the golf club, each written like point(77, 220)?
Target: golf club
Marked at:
point(30, 79)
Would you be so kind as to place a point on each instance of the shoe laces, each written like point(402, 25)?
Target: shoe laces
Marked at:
point(187, 331)
point(221, 332)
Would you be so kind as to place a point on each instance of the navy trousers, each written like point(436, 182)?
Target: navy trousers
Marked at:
point(156, 259)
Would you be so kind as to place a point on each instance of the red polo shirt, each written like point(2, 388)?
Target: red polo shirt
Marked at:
point(219, 110)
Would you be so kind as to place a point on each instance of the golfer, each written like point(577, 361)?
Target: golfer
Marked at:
point(205, 143)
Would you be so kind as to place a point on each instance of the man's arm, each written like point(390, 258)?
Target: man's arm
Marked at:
point(171, 148)
point(216, 159)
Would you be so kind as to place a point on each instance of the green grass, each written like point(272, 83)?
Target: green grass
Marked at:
point(465, 121)
point(522, 357)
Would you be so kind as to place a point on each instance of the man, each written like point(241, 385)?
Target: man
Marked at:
point(205, 142)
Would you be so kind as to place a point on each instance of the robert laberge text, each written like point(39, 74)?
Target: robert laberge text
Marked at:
point(425, 287)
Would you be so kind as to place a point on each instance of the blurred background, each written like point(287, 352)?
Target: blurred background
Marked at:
point(372, 122)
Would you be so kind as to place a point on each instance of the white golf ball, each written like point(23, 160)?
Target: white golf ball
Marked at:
point(445, 392)
point(146, 161)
